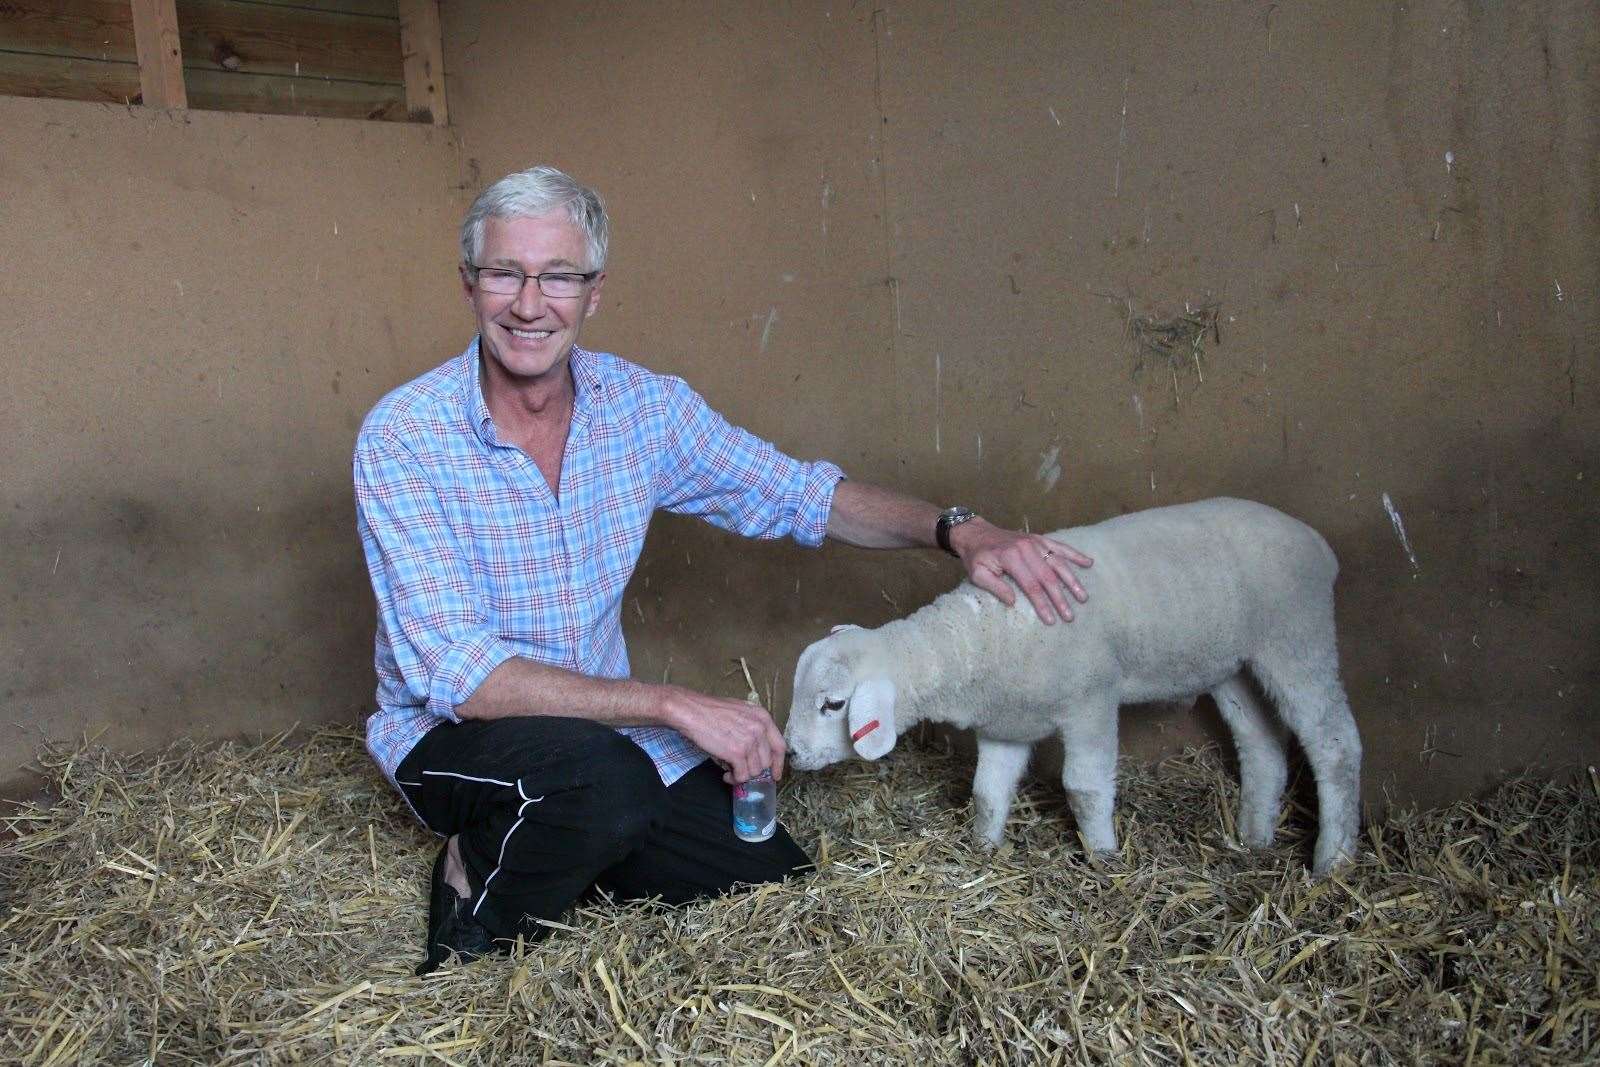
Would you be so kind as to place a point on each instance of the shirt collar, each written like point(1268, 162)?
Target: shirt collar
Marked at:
point(586, 386)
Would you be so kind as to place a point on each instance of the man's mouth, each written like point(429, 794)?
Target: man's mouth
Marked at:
point(527, 335)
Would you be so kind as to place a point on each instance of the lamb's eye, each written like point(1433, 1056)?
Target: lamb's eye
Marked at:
point(832, 705)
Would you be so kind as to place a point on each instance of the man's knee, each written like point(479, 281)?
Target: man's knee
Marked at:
point(623, 799)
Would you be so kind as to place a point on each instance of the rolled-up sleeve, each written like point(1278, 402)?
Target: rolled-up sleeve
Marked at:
point(442, 644)
point(735, 480)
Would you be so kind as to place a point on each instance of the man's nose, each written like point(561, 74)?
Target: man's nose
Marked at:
point(530, 300)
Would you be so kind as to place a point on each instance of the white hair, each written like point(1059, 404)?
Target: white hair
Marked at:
point(538, 191)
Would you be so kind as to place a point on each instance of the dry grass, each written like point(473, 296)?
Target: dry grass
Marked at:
point(266, 905)
point(1175, 344)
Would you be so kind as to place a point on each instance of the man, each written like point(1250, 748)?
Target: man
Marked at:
point(502, 501)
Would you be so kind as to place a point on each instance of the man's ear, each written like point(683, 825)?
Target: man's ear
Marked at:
point(872, 718)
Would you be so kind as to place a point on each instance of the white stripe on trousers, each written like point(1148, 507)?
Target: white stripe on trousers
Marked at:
point(500, 861)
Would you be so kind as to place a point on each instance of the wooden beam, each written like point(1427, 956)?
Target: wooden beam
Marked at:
point(269, 39)
point(384, 9)
point(68, 78)
point(221, 90)
point(422, 48)
point(155, 33)
point(92, 29)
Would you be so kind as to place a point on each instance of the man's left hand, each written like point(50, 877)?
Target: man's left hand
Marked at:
point(1040, 567)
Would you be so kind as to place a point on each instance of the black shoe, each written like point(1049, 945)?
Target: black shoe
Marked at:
point(451, 927)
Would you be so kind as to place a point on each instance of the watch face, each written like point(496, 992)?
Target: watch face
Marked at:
point(957, 512)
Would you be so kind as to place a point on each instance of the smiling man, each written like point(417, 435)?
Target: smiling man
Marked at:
point(502, 501)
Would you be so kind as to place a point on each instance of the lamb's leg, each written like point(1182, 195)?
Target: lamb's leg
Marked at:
point(1089, 768)
point(994, 786)
point(1313, 704)
point(1263, 766)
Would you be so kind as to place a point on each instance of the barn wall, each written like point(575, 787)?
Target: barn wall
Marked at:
point(1396, 209)
point(908, 237)
point(905, 237)
point(201, 308)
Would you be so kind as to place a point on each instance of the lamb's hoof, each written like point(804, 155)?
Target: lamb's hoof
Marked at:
point(1100, 844)
point(1324, 864)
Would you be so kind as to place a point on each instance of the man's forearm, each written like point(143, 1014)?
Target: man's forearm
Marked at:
point(869, 516)
point(523, 687)
point(740, 735)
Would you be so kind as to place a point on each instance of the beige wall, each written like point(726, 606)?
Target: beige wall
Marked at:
point(201, 307)
point(944, 210)
point(1391, 323)
point(872, 234)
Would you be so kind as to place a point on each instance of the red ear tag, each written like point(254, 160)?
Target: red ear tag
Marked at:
point(864, 731)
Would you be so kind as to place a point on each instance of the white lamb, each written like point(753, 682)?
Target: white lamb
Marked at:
point(1183, 600)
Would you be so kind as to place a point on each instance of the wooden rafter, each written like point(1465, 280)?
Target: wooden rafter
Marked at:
point(422, 49)
point(155, 33)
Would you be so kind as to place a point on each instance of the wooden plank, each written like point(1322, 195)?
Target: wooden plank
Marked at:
point(277, 39)
point(422, 46)
point(221, 90)
point(155, 32)
point(386, 9)
point(94, 29)
point(69, 78)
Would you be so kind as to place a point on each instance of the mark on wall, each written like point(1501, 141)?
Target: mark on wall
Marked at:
point(1049, 471)
point(938, 399)
point(766, 330)
point(1400, 530)
point(1174, 343)
point(1122, 142)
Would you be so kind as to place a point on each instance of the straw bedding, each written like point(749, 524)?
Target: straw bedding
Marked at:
point(265, 904)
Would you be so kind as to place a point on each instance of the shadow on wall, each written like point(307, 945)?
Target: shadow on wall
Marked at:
point(1463, 668)
point(1477, 661)
point(156, 619)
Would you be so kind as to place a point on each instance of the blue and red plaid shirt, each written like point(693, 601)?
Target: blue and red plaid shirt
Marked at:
point(474, 560)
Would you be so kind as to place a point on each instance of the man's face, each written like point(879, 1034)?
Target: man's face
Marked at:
point(529, 335)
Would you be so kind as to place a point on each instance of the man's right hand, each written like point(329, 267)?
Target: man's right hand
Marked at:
point(739, 735)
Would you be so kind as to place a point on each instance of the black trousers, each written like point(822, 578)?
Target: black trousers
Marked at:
point(552, 810)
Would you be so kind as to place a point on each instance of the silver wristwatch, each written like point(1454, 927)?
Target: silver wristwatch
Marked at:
point(949, 519)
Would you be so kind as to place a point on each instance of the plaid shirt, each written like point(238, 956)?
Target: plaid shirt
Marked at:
point(474, 560)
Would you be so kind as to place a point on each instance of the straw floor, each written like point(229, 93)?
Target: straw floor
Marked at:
point(266, 905)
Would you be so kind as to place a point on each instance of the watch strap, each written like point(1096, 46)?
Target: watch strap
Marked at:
point(949, 519)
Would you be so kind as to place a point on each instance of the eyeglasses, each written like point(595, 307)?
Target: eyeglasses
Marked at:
point(557, 285)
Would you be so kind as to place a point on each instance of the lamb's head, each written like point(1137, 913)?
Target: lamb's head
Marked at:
point(843, 702)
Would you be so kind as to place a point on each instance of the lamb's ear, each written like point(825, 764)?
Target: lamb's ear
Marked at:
point(843, 626)
point(871, 719)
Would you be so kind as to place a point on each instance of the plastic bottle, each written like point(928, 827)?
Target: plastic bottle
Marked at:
point(755, 808)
